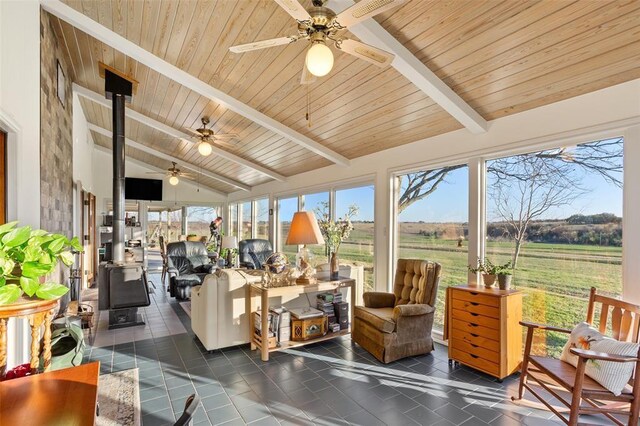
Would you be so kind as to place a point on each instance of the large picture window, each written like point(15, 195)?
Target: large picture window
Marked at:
point(286, 208)
point(261, 207)
point(432, 214)
point(556, 215)
point(246, 224)
point(358, 249)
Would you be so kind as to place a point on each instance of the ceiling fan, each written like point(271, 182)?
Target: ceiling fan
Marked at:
point(319, 24)
point(206, 137)
point(173, 173)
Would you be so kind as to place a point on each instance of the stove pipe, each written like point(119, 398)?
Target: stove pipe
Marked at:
point(119, 90)
point(118, 178)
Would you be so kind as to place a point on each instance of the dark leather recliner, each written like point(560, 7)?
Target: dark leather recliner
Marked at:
point(188, 264)
point(254, 252)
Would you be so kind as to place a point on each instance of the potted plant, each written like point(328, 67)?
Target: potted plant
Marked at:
point(504, 273)
point(334, 233)
point(487, 269)
point(27, 256)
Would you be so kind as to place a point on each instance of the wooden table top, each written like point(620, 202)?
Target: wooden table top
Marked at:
point(63, 397)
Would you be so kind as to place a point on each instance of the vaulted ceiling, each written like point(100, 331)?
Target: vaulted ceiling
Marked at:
point(499, 57)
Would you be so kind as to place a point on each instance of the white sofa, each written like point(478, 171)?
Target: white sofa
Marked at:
point(218, 314)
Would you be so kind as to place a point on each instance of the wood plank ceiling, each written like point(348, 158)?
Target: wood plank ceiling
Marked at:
point(501, 57)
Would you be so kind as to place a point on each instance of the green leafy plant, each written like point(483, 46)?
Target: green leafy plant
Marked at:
point(487, 267)
point(26, 256)
point(505, 269)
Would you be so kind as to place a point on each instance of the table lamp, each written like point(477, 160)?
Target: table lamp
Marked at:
point(304, 230)
point(229, 242)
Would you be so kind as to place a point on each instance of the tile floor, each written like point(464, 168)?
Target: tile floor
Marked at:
point(330, 383)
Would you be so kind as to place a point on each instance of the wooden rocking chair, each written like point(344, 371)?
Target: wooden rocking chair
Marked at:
point(165, 261)
point(555, 375)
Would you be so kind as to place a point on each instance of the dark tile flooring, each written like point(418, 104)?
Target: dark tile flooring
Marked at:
point(330, 383)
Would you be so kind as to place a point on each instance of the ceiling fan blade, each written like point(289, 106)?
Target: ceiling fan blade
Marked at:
point(306, 77)
point(295, 9)
point(225, 144)
point(368, 53)
point(225, 136)
point(365, 9)
point(194, 132)
point(257, 45)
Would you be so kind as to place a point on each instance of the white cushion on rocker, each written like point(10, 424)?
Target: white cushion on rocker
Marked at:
point(612, 375)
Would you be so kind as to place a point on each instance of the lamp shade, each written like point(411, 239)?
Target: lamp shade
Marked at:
point(229, 242)
point(304, 230)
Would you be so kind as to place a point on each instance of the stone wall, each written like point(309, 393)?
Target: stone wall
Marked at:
point(56, 143)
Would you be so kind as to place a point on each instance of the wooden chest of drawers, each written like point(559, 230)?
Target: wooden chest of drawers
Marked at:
point(483, 329)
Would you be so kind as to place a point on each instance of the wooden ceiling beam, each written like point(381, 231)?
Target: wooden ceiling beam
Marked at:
point(370, 32)
point(111, 38)
point(158, 169)
point(168, 130)
point(156, 153)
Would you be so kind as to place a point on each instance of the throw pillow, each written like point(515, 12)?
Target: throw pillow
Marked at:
point(612, 375)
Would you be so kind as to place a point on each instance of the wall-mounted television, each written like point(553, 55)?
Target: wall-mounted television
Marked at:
point(143, 189)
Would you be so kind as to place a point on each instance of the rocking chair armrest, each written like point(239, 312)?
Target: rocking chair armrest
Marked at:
point(534, 326)
point(603, 356)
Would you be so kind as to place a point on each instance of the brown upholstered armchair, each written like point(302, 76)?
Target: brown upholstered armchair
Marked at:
point(396, 325)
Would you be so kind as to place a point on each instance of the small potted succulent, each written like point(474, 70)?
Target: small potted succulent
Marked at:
point(487, 269)
point(27, 256)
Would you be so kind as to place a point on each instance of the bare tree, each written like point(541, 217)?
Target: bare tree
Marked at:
point(525, 187)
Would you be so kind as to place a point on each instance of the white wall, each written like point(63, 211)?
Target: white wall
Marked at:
point(608, 112)
point(184, 193)
point(20, 119)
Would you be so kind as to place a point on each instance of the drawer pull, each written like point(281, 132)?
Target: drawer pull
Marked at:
point(475, 335)
point(473, 325)
point(473, 314)
point(474, 356)
point(473, 293)
point(475, 346)
point(474, 303)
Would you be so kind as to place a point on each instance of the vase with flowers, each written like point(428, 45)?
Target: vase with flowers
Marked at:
point(334, 233)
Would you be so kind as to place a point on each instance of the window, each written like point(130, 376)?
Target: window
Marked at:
point(199, 218)
point(246, 221)
point(557, 216)
point(261, 207)
point(312, 202)
point(358, 249)
point(233, 219)
point(154, 228)
point(286, 208)
point(174, 225)
point(431, 223)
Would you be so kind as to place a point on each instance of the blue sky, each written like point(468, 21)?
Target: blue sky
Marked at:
point(449, 203)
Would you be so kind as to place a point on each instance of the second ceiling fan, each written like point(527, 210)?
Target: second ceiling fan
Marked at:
point(319, 25)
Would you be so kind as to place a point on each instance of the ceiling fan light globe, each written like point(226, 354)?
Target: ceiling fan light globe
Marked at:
point(173, 180)
point(204, 148)
point(319, 60)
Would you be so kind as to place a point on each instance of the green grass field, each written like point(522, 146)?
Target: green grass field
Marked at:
point(556, 278)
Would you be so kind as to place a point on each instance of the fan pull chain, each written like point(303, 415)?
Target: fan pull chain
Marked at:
point(308, 115)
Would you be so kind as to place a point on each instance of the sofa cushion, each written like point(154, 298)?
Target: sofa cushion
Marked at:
point(199, 260)
point(189, 280)
point(380, 318)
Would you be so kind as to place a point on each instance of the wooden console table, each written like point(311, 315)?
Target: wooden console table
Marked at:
point(62, 397)
point(38, 312)
point(266, 292)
